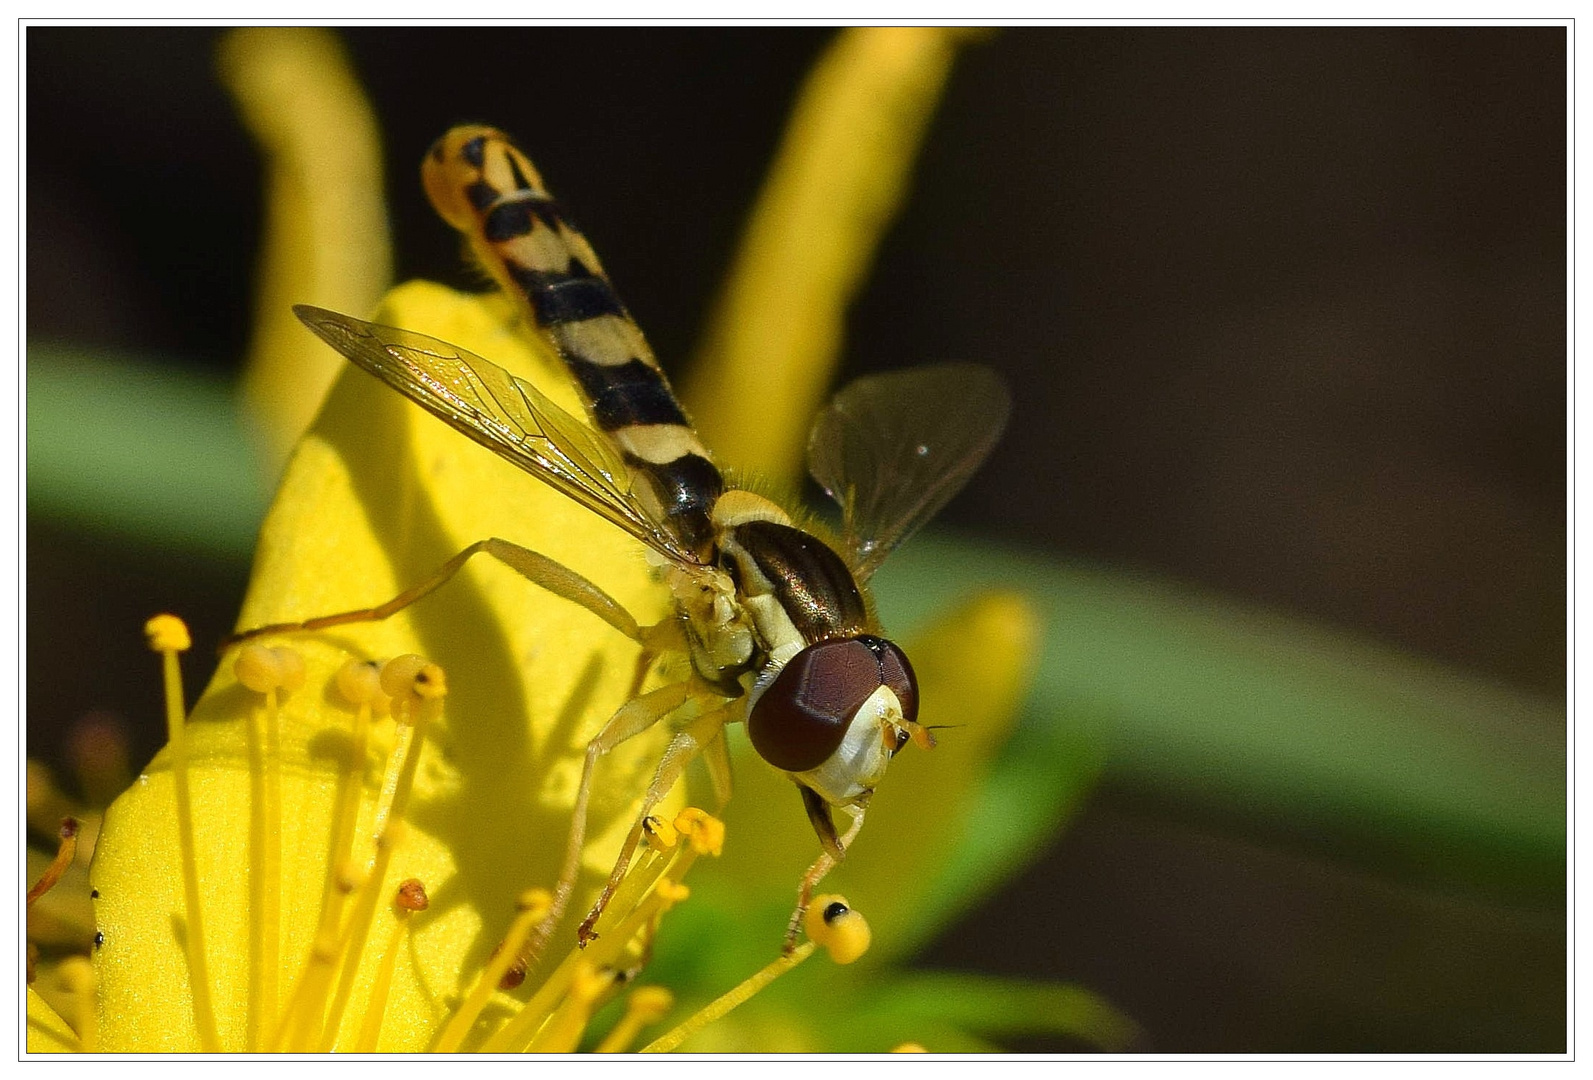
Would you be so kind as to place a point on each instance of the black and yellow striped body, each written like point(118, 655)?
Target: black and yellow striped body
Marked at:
point(771, 611)
point(487, 189)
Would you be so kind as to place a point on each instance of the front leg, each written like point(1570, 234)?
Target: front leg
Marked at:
point(686, 745)
point(821, 866)
point(632, 718)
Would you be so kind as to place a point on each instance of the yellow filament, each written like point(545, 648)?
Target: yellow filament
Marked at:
point(376, 1006)
point(167, 635)
point(348, 807)
point(562, 1033)
point(300, 1025)
point(533, 909)
point(266, 877)
point(308, 1004)
point(411, 738)
point(641, 877)
point(64, 854)
point(646, 1005)
point(723, 1004)
point(514, 1035)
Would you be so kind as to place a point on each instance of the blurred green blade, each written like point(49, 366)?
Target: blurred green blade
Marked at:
point(903, 1005)
point(141, 451)
point(1278, 720)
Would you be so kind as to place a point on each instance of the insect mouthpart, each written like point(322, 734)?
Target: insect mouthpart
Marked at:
point(832, 713)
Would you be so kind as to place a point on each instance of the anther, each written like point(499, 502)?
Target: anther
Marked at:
point(910, 1048)
point(168, 633)
point(660, 834)
point(398, 674)
point(412, 895)
point(263, 669)
point(291, 664)
point(411, 676)
point(705, 832)
point(671, 892)
point(360, 683)
point(410, 898)
point(832, 923)
point(258, 668)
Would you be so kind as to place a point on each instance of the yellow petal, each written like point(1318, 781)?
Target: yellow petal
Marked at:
point(326, 224)
point(376, 496)
point(838, 180)
point(47, 1032)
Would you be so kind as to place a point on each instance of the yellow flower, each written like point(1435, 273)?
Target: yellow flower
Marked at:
point(314, 865)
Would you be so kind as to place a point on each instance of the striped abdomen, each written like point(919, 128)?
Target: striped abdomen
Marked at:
point(486, 188)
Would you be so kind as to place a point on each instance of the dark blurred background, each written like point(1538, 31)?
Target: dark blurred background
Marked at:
point(1286, 310)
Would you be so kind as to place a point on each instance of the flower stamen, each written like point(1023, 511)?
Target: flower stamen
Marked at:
point(562, 1033)
point(300, 1025)
point(725, 1002)
point(829, 922)
point(359, 684)
point(417, 688)
point(534, 905)
point(64, 854)
point(523, 1025)
point(646, 1005)
point(168, 635)
point(266, 671)
point(411, 898)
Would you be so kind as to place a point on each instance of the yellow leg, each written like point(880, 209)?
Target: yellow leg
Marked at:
point(716, 756)
point(810, 880)
point(538, 569)
point(685, 746)
point(632, 718)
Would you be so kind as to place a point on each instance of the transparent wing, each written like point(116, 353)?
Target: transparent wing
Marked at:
point(893, 449)
point(507, 415)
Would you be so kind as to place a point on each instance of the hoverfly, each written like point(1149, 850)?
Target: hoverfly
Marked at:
point(777, 622)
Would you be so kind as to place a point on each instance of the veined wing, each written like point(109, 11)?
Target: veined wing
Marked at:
point(501, 412)
point(893, 449)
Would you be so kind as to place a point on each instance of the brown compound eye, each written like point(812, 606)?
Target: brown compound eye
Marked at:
point(802, 717)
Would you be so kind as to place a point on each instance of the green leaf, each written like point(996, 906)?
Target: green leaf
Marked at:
point(1276, 721)
point(903, 1005)
point(131, 448)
